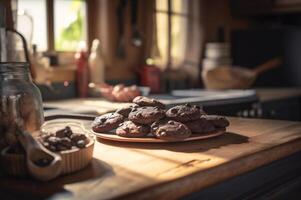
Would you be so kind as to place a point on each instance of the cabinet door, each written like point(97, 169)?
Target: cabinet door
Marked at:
point(287, 109)
point(254, 7)
point(260, 7)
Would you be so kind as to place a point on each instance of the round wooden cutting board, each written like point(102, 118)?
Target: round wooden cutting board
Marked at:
point(195, 136)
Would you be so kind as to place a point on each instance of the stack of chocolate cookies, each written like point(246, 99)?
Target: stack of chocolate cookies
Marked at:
point(150, 117)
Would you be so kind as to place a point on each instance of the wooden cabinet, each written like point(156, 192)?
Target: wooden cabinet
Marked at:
point(285, 109)
point(264, 7)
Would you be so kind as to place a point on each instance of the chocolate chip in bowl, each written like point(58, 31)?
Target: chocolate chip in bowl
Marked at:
point(71, 140)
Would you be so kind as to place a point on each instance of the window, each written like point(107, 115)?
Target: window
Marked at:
point(69, 24)
point(31, 22)
point(53, 24)
point(171, 20)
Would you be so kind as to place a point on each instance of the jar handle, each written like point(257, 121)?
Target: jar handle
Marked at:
point(26, 52)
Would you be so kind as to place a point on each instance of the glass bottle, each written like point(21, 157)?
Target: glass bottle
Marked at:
point(82, 71)
point(97, 63)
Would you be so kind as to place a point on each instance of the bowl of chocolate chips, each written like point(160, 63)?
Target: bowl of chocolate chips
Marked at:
point(69, 139)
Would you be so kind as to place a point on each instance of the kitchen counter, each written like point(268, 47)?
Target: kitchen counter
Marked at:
point(82, 106)
point(173, 170)
point(204, 98)
point(276, 102)
point(280, 103)
point(273, 94)
point(181, 96)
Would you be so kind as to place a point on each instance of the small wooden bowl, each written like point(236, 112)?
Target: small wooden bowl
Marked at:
point(72, 160)
point(77, 159)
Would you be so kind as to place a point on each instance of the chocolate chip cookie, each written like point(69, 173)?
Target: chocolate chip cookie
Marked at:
point(184, 113)
point(144, 101)
point(124, 111)
point(217, 121)
point(107, 122)
point(170, 130)
point(132, 130)
point(200, 125)
point(146, 114)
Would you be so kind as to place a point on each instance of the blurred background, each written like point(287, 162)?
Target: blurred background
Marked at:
point(235, 57)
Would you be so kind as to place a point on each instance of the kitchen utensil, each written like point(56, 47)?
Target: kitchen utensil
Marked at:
point(113, 137)
point(8, 51)
point(41, 163)
point(12, 163)
point(136, 39)
point(120, 53)
point(236, 77)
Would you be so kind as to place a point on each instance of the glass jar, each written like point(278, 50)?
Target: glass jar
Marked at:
point(20, 102)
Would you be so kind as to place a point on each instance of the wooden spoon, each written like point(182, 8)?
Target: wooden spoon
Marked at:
point(42, 164)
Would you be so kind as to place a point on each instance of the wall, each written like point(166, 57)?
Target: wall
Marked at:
point(217, 13)
point(103, 13)
point(214, 13)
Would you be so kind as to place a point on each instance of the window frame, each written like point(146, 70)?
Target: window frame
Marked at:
point(170, 14)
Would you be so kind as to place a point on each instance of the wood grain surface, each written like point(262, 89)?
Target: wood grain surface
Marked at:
point(172, 170)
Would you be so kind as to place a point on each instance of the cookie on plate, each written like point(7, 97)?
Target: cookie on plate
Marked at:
point(184, 113)
point(132, 130)
point(144, 101)
point(200, 125)
point(217, 121)
point(146, 114)
point(107, 122)
point(170, 130)
point(124, 111)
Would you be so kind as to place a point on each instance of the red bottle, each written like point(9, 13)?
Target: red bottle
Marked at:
point(82, 72)
point(150, 76)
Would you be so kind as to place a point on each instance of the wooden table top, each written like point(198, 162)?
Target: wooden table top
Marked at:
point(173, 170)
